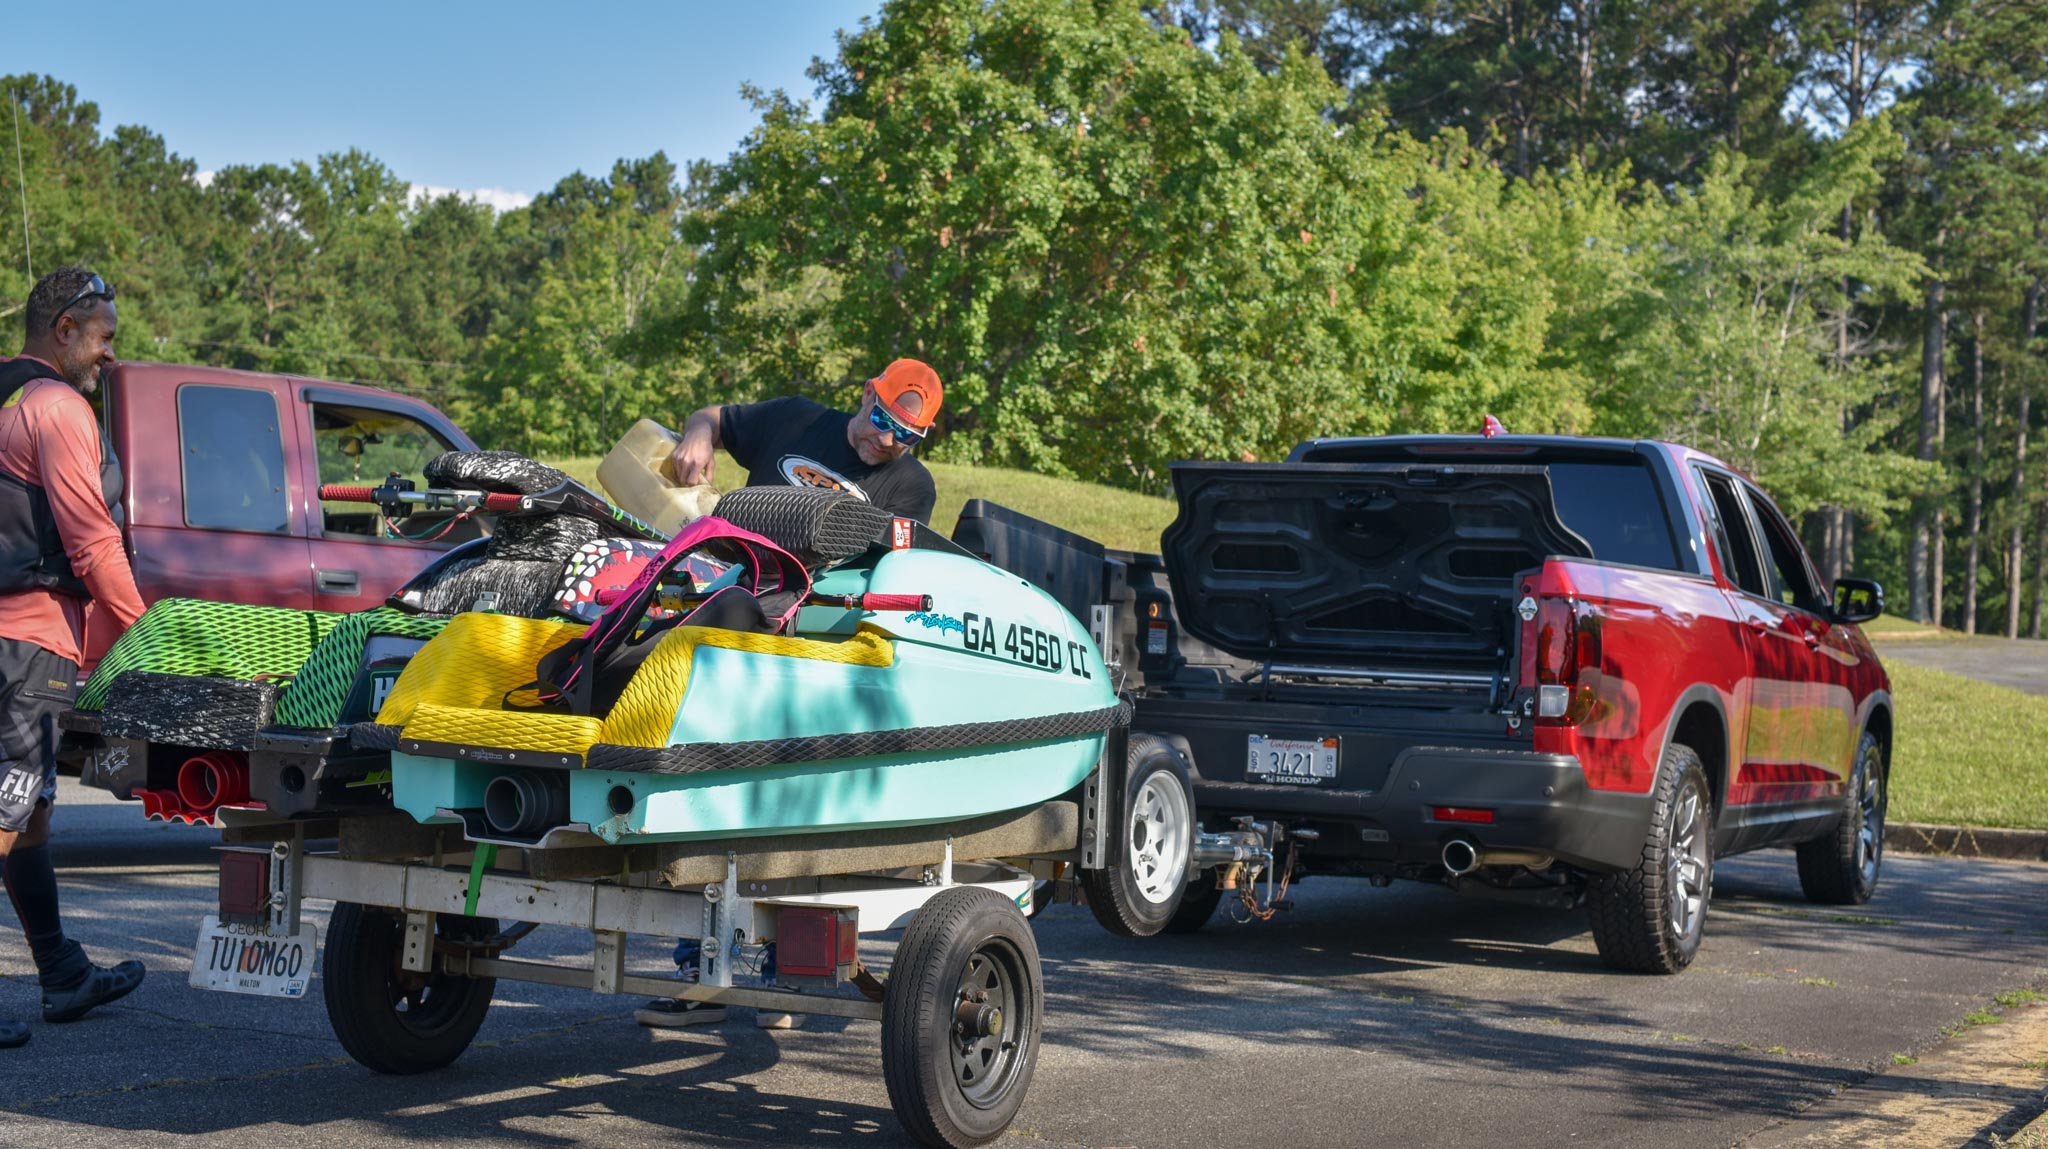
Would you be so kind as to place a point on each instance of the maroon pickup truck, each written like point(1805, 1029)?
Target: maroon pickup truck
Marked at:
point(222, 474)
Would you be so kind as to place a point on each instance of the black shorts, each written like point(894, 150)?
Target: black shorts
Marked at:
point(35, 687)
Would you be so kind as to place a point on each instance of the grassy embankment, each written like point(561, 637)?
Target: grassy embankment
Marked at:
point(1967, 752)
point(1122, 519)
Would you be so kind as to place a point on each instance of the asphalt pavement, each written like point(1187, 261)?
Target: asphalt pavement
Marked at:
point(1402, 1016)
point(2017, 662)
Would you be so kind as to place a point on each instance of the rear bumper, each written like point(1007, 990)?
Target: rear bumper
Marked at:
point(1540, 804)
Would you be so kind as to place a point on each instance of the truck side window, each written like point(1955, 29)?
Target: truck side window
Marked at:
point(1614, 507)
point(1732, 535)
point(233, 459)
point(364, 445)
point(1785, 563)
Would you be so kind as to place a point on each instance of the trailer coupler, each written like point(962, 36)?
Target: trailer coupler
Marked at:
point(1240, 856)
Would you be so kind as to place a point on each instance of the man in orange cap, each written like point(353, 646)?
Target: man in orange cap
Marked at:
point(796, 441)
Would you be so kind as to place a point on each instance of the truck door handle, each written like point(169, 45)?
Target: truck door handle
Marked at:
point(337, 582)
point(1757, 624)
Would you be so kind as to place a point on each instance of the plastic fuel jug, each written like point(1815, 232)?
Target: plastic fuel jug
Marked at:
point(637, 476)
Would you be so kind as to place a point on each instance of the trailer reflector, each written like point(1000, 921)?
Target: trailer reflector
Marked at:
point(244, 886)
point(817, 941)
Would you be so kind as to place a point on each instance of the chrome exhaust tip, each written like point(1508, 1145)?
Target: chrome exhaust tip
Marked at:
point(1460, 857)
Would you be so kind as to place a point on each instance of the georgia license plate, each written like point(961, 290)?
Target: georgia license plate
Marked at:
point(244, 959)
point(1290, 761)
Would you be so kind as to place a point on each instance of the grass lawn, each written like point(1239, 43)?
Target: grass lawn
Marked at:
point(1121, 519)
point(1966, 752)
point(1892, 627)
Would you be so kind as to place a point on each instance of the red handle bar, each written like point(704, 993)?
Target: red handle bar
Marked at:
point(896, 602)
point(344, 493)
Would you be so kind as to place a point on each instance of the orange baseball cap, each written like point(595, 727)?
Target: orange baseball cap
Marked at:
point(907, 377)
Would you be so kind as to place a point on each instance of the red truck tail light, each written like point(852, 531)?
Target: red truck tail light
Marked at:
point(817, 941)
point(1567, 659)
point(1477, 815)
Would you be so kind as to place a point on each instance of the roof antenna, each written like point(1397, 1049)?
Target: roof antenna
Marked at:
point(27, 256)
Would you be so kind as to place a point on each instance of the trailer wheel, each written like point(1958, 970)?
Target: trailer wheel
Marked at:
point(1135, 895)
point(389, 1019)
point(961, 1019)
point(1197, 905)
point(1650, 919)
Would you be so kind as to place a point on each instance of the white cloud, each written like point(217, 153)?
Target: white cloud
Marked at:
point(497, 199)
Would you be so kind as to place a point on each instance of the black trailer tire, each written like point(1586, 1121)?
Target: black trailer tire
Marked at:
point(1840, 867)
point(962, 1018)
point(1650, 919)
point(390, 1020)
point(1135, 894)
point(1197, 905)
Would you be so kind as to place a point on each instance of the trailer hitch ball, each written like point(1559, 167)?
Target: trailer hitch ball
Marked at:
point(977, 1019)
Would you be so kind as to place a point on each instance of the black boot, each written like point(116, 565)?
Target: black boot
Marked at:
point(97, 988)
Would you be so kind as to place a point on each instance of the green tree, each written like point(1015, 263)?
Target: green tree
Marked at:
point(565, 375)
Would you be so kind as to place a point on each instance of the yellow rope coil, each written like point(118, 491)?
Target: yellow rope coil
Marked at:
point(646, 711)
point(472, 663)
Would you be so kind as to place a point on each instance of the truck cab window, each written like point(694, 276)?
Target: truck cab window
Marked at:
point(364, 446)
point(1616, 509)
point(1732, 536)
point(233, 459)
point(1784, 563)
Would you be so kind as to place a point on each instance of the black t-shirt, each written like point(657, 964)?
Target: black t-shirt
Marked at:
point(798, 442)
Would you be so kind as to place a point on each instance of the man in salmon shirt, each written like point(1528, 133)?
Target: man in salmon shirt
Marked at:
point(60, 554)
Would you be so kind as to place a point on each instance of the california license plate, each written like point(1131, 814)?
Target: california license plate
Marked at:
point(1290, 761)
point(244, 959)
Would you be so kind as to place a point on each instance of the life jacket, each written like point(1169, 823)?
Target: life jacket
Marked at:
point(31, 551)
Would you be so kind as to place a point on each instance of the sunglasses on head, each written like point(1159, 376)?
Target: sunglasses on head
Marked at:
point(882, 421)
point(95, 288)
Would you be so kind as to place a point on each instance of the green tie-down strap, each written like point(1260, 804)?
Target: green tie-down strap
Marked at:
point(322, 685)
point(191, 637)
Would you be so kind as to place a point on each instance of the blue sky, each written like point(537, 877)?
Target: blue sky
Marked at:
point(493, 98)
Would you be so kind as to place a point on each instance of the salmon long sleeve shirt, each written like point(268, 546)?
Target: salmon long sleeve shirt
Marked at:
point(49, 437)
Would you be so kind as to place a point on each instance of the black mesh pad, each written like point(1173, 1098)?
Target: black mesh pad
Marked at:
point(817, 526)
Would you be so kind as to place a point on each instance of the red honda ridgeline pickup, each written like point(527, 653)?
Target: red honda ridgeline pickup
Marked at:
point(222, 471)
point(1555, 669)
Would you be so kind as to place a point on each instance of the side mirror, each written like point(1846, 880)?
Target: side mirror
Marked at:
point(1857, 600)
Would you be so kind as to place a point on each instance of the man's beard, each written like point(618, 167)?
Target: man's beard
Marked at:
point(86, 377)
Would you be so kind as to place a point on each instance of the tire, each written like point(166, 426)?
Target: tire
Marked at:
point(1840, 867)
point(388, 1019)
point(1136, 893)
point(1650, 919)
point(953, 1086)
point(1197, 905)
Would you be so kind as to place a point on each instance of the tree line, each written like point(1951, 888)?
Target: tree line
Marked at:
point(1803, 235)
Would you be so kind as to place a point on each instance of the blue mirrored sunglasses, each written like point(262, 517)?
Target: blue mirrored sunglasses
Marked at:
point(886, 423)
